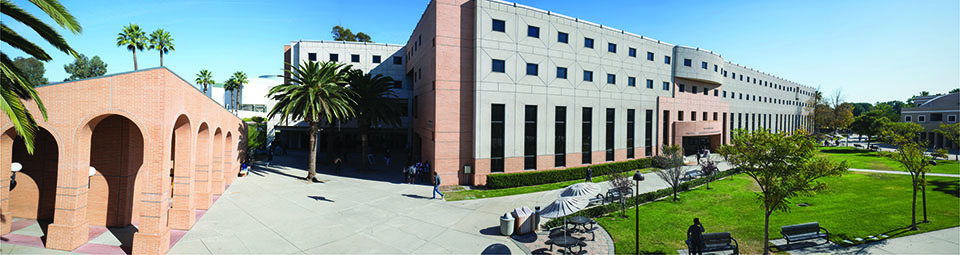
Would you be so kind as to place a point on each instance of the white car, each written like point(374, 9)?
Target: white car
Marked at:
point(691, 174)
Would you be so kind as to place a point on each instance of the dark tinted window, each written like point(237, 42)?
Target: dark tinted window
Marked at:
point(499, 25)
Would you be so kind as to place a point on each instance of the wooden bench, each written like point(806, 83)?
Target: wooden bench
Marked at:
point(719, 241)
point(804, 231)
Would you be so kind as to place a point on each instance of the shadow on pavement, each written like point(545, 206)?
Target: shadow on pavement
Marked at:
point(491, 231)
point(497, 248)
point(524, 238)
point(416, 196)
point(320, 198)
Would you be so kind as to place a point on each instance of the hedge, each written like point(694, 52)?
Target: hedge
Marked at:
point(598, 211)
point(510, 180)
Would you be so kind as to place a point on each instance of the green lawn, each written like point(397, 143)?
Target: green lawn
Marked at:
point(463, 194)
point(865, 159)
point(855, 205)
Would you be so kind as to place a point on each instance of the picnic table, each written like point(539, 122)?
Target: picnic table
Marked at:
point(580, 221)
point(566, 242)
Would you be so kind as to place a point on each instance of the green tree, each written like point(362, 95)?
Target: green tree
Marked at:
point(314, 93)
point(869, 124)
point(83, 67)
point(32, 69)
point(205, 79)
point(344, 34)
point(161, 41)
point(134, 39)
point(911, 153)
point(861, 108)
point(954, 90)
point(375, 103)
point(951, 132)
point(784, 165)
point(239, 78)
point(672, 174)
point(15, 88)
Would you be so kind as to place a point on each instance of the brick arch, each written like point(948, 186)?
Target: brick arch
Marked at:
point(216, 170)
point(229, 151)
point(34, 194)
point(202, 163)
point(181, 210)
point(114, 143)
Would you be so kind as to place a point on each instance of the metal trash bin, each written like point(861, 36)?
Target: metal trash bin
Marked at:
point(506, 224)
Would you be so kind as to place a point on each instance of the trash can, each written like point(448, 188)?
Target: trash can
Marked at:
point(506, 224)
point(536, 218)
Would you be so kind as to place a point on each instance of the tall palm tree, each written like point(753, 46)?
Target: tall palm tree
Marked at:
point(134, 38)
point(230, 86)
point(204, 79)
point(239, 78)
point(375, 102)
point(315, 92)
point(14, 86)
point(161, 41)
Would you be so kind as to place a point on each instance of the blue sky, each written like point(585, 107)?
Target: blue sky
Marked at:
point(873, 50)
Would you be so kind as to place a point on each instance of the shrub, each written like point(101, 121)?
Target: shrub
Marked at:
point(510, 180)
point(663, 162)
point(939, 153)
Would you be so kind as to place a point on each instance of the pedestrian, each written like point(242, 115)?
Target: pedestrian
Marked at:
point(386, 156)
point(589, 174)
point(695, 238)
point(406, 174)
point(337, 162)
point(285, 147)
point(698, 155)
point(426, 170)
point(270, 156)
point(370, 154)
point(413, 173)
point(436, 186)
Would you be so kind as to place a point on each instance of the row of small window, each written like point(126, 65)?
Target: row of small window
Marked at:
point(533, 31)
point(689, 63)
point(765, 83)
point(933, 117)
point(355, 58)
point(706, 91)
point(499, 66)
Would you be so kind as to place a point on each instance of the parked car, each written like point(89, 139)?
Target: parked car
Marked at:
point(691, 174)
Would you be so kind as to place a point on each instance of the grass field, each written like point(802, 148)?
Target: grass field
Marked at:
point(855, 205)
point(865, 159)
point(463, 194)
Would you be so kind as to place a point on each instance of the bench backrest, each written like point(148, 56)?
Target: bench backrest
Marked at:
point(798, 229)
point(716, 238)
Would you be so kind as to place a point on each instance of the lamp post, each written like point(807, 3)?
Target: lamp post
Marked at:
point(637, 177)
point(14, 167)
point(93, 171)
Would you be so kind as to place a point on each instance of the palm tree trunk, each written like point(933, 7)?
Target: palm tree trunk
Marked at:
point(766, 232)
point(365, 163)
point(134, 59)
point(161, 58)
point(923, 190)
point(312, 165)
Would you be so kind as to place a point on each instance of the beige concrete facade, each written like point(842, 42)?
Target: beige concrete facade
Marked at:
point(930, 113)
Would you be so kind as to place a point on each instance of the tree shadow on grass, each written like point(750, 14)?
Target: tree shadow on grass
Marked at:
point(950, 187)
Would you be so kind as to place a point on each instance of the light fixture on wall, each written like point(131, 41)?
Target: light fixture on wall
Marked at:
point(93, 171)
point(14, 167)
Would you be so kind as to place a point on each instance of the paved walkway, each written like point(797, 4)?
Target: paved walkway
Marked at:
point(901, 172)
point(944, 241)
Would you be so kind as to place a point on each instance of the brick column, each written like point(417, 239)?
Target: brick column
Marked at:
point(216, 168)
point(201, 178)
point(6, 158)
point(70, 227)
point(182, 214)
point(153, 236)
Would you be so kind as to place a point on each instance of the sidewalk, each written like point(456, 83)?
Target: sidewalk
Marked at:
point(901, 172)
point(944, 241)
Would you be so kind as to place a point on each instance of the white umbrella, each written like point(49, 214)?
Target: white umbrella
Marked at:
point(583, 189)
point(564, 206)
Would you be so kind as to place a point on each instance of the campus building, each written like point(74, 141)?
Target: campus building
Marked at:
point(499, 87)
point(143, 149)
point(930, 112)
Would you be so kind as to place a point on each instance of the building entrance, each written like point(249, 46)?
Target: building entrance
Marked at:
point(692, 143)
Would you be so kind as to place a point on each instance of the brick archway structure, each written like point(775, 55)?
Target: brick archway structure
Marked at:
point(181, 214)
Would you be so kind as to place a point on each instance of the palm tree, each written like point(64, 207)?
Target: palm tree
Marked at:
point(134, 38)
point(315, 92)
point(376, 103)
point(239, 78)
point(229, 86)
point(204, 79)
point(161, 41)
point(14, 86)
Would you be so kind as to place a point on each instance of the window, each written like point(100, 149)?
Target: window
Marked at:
point(355, 58)
point(936, 117)
point(530, 137)
point(715, 68)
point(499, 25)
point(632, 52)
point(704, 116)
point(397, 60)
point(561, 72)
point(334, 57)
point(650, 56)
point(679, 115)
point(649, 84)
point(921, 118)
point(587, 75)
point(687, 62)
point(741, 77)
point(666, 85)
point(397, 84)
point(648, 133)
point(693, 116)
point(666, 128)
point(611, 78)
point(532, 69)
point(611, 121)
point(683, 88)
point(562, 37)
point(312, 56)
point(715, 93)
point(497, 136)
point(666, 60)
point(416, 105)
point(631, 81)
point(631, 127)
point(695, 89)
point(588, 42)
point(560, 142)
point(706, 91)
point(612, 47)
point(533, 31)
point(376, 59)
point(724, 94)
point(703, 64)
point(952, 118)
point(586, 127)
point(714, 116)
point(499, 66)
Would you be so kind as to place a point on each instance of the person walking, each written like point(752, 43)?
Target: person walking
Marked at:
point(436, 186)
point(589, 174)
point(695, 238)
point(270, 156)
point(338, 162)
point(370, 154)
point(413, 173)
point(386, 156)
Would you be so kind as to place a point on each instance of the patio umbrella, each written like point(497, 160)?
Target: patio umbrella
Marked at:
point(583, 189)
point(564, 206)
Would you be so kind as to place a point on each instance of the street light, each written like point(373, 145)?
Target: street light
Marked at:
point(637, 177)
point(93, 171)
point(14, 167)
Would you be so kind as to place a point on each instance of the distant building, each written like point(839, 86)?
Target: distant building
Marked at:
point(930, 112)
